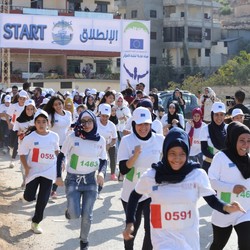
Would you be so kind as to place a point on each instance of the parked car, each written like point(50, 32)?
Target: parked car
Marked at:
point(190, 99)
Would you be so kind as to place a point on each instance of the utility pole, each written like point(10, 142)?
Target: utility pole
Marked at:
point(5, 52)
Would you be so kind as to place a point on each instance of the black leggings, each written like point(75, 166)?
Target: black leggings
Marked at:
point(44, 185)
point(222, 234)
point(142, 208)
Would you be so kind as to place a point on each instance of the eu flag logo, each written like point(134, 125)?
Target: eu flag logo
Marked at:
point(136, 43)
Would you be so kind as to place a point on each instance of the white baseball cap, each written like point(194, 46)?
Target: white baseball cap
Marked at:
point(93, 91)
point(23, 93)
point(105, 109)
point(218, 107)
point(30, 102)
point(237, 112)
point(7, 98)
point(45, 101)
point(41, 112)
point(142, 115)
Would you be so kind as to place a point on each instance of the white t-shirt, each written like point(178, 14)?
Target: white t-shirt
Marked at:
point(14, 111)
point(108, 131)
point(224, 175)
point(120, 112)
point(195, 148)
point(164, 120)
point(23, 126)
point(156, 126)
point(83, 155)
point(61, 125)
point(205, 136)
point(151, 153)
point(174, 212)
point(41, 154)
point(4, 109)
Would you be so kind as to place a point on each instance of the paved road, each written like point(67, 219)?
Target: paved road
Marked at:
point(61, 234)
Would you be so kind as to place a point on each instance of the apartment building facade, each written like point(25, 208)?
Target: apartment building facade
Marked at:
point(184, 28)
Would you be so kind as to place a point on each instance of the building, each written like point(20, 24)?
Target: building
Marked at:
point(65, 67)
point(184, 28)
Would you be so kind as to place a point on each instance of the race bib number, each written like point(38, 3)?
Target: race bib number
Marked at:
point(134, 174)
point(79, 162)
point(174, 217)
point(42, 156)
point(243, 198)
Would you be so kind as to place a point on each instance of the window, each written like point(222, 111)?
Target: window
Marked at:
point(38, 84)
point(66, 85)
point(36, 4)
point(182, 14)
point(182, 61)
point(118, 62)
point(225, 44)
point(199, 52)
point(207, 34)
point(173, 34)
point(168, 10)
point(102, 7)
point(73, 66)
point(194, 34)
point(153, 35)
point(35, 66)
point(101, 66)
point(207, 52)
point(134, 14)
point(152, 60)
point(153, 13)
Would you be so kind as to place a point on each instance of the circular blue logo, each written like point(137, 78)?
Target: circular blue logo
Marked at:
point(62, 32)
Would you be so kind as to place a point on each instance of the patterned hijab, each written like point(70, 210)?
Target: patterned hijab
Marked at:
point(79, 131)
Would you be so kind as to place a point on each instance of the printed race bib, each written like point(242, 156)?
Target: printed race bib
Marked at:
point(134, 174)
point(42, 156)
point(80, 163)
point(243, 198)
point(174, 217)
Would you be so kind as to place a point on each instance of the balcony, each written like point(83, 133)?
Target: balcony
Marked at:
point(63, 12)
point(205, 3)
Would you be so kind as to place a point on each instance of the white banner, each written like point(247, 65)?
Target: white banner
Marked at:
point(130, 37)
point(135, 54)
point(59, 32)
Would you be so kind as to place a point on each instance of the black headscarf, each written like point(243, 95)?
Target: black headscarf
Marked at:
point(175, 115)
point(217, 133)
point(79, 132)
point(234, 130)
point(23, 117)
point(138, 136)
point(176, 137)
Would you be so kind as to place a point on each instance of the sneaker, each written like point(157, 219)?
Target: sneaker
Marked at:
point(53, 195)
point(113, 177)
point(84, 246)
point(100, 197)
point(12, 164)
point(36, 228)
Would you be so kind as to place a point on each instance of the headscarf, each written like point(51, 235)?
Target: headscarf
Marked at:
point(234, 130)
point(217, 133)
point(79, 131)
point(176, 137)
point(23, 117)
point(196, 124)
point(138, 136)
point(175, 115)
point(90, 106)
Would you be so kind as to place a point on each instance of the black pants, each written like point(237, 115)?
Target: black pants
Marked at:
point(112, 159)
point(142, 208)
point(42, 197)
point(222, 234)
point(206, 166)
point(13, 143)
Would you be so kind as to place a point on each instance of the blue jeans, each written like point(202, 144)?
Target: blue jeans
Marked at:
point(81, 193)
